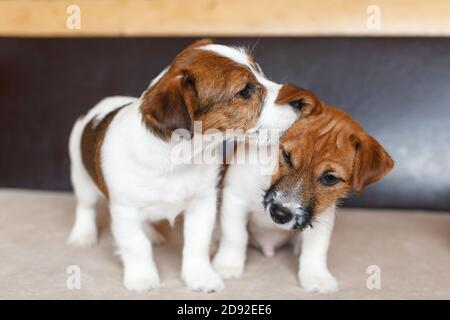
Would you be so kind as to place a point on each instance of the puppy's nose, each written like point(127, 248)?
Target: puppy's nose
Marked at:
point(279, 214)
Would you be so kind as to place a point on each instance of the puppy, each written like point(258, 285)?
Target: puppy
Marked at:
point(322, 158)
point(121, 151)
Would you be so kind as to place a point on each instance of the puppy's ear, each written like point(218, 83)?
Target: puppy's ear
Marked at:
point(372, 162)
point(170, 104)
point(300, 99)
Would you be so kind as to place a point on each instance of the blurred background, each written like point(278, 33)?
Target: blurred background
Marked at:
point(385, 62)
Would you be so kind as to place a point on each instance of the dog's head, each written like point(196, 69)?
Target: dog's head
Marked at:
point(322, 159)
point(218, 85)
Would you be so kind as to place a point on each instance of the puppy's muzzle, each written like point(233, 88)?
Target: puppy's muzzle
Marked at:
point(302, 219)
point(297, 218)
point(279, 214)
point(291, 216)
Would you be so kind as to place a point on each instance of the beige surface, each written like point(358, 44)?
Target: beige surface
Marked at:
point(411, 248)
point(224, 17)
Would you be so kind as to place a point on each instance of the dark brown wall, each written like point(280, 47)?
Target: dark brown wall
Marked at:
point(399, 89)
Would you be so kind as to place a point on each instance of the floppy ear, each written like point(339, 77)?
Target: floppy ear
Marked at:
point(170, 105)
point(303, 100)
point(372, 162)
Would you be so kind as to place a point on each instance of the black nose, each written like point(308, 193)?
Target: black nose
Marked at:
point(280, 214)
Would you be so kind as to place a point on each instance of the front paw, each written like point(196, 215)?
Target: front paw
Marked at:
point(202, 279)
point(322, 282)
point(141, 281)
point(228, 266)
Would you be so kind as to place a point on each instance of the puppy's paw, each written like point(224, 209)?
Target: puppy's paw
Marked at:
point(86, 237)
point(203, 279)
point(143, 281)
point(318, 282)
point(228, 266)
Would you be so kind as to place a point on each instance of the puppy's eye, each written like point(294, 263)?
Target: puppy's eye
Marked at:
point(298, 104)
point(328, 179)
point(287, 158)
point(246, 93)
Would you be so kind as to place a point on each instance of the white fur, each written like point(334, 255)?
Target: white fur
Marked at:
point(143, 185)
point(313, 274)
point(242, 201)
point(236, 54)
point(84, 231)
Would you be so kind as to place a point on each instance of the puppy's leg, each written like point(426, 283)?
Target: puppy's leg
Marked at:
point(230, 258)
point(199, 218)
point(84, 230)
point(140, 272)
point(313, 274)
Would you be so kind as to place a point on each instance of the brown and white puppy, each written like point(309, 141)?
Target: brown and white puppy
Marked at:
point(122, 150)
point(322, 158)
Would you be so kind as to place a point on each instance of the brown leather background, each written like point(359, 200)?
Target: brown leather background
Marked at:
point(398, 88)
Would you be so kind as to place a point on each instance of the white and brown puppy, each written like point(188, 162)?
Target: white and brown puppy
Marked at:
point(121, 150)
point(322, 159)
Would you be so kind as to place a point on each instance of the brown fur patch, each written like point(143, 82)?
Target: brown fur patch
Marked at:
point(91, 144)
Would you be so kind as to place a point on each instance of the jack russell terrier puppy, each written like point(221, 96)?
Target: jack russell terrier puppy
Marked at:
point(322, 158)
point(121, 151)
